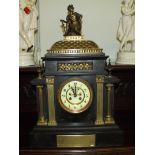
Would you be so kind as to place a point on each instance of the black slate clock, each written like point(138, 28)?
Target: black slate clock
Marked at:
point(75, 96)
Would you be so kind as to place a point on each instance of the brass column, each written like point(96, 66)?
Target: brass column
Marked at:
point(99, 112)
point(51, 107)
point(109, 118)
point(41, 117)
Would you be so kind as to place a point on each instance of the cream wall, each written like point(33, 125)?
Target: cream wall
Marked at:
point(100, 22)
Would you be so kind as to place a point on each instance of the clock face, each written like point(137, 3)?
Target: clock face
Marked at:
point(75, 95)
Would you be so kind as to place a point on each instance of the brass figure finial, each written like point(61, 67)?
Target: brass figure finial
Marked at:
point(73, 24)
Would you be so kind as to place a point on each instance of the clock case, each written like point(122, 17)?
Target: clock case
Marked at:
point(54, 121)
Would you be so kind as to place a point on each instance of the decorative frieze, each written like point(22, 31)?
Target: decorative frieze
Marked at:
point(75, 66)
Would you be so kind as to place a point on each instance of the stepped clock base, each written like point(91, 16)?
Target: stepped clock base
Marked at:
point(94, 136)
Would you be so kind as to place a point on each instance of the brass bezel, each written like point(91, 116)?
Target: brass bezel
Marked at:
point(59, 95)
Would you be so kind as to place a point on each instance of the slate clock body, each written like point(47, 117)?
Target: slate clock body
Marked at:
point(75, 98)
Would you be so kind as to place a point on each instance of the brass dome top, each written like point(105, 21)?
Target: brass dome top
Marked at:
point(75, 45)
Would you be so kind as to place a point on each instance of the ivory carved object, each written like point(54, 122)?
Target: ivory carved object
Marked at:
point(28, 15)
point(125, 33)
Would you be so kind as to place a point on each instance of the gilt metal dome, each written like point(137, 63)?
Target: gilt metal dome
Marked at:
point(75, 45)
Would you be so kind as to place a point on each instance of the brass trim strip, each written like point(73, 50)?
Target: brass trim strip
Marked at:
point(51, 107)
point(109, 118)
point(76, 140)
point(70, 38)
point(41, 119)
point(76, 51)
point(75, 66)
point(99, 112)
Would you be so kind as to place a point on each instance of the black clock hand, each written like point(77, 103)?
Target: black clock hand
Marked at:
point(75, 89)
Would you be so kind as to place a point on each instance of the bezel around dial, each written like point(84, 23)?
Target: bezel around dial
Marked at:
point(74, 110)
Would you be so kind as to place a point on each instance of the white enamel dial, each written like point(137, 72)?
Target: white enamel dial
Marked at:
point(75, 95)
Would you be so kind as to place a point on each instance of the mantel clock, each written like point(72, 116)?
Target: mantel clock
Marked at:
point(75, 93)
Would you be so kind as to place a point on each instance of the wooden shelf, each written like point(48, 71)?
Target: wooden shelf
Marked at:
point(81, 151)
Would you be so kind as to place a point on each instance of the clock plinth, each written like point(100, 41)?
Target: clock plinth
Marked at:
point(107, 135)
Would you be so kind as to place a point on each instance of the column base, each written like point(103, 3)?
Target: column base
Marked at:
point(99, 122)
point(42, 122)
point(109, 120)
point(52, 123)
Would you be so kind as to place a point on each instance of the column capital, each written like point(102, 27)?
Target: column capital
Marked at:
point(50, 79)
point(99, 78)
